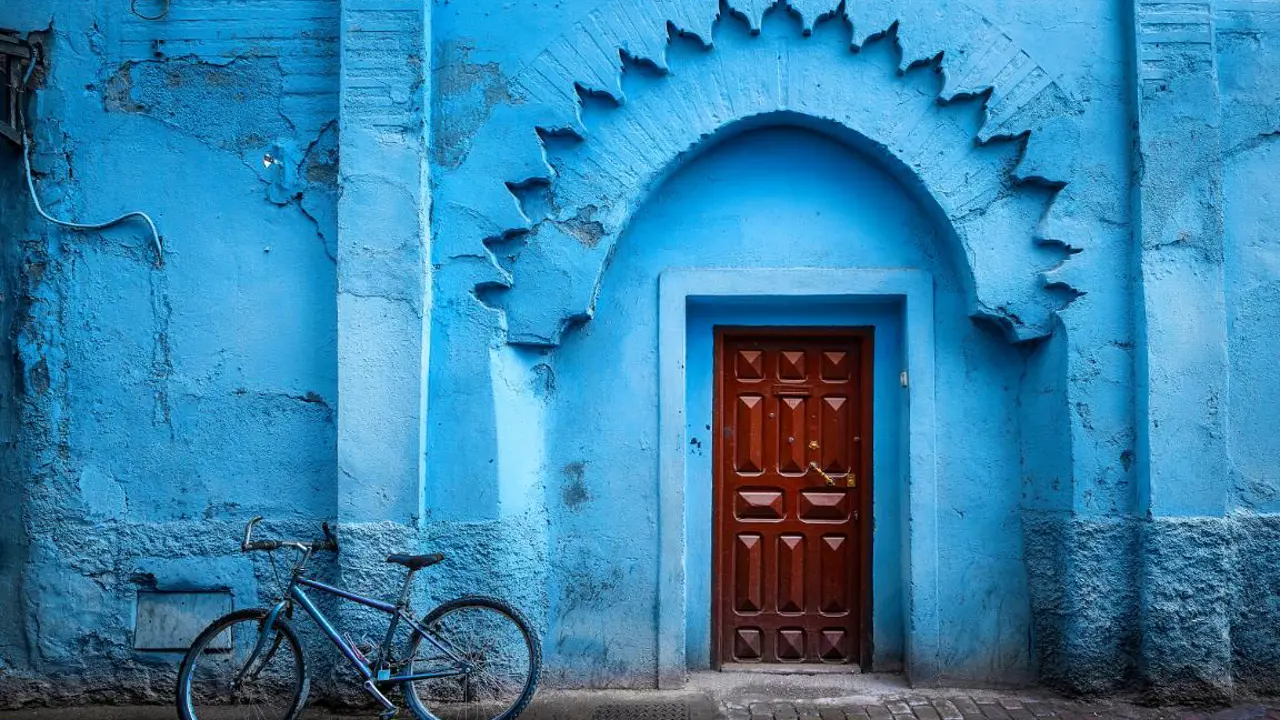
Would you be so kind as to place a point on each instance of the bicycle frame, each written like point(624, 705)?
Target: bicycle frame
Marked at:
point(397, 611)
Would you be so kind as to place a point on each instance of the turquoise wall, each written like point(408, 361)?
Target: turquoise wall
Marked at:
point(414, 256)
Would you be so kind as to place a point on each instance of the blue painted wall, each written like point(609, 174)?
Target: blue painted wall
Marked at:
point(162, 405)
point(447, 338)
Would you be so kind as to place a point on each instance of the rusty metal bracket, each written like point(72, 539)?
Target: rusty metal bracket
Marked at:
point(15, 55)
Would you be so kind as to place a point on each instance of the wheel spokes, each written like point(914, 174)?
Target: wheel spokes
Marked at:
point(495, 647)
point(226, 680)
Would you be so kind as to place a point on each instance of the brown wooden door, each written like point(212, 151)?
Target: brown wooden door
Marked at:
point(791, 556)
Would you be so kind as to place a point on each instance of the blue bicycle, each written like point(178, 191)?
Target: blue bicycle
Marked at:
point(475, 658)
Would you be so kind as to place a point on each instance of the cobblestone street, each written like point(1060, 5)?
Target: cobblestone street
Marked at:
point(962, 707)
point(701, 706)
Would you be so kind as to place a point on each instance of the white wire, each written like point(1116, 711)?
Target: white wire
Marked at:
point(29, 138)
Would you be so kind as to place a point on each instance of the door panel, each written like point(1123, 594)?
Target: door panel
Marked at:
point(792, 479)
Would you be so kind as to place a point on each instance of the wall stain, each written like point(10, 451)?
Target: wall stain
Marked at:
point(466, 94)
point(574, 494)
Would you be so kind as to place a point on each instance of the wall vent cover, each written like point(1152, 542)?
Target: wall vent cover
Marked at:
point(169, 621)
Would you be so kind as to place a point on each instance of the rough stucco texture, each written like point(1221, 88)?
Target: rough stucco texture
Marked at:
point(162, 406)
point(576, 149)
point(13, 538)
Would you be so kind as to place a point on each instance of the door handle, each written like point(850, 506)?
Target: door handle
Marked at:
point(831, 482)
point(851, 480)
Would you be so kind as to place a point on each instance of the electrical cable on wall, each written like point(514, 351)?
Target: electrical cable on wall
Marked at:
point(164, 10)
point(28, 140)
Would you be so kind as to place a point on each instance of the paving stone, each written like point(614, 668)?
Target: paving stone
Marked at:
point(897, 707)
point(926, 712)
point(947, 710)
point(1011, 703)
point(785, 711)
point(831, 713)
point(993, 710)
point(967, 706)
point(1020, 713)
point(914, 700)
point(1040, 709)
point(762, 711)
point(878, 712)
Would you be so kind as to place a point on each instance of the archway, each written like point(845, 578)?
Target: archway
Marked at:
point(551, 262)
point(782, 226)
point(553, 234)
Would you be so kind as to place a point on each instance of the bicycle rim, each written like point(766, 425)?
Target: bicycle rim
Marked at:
point(217, 681)
point(495, 639)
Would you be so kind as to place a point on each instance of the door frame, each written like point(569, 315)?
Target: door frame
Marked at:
point(864, 505)
point(912, 290)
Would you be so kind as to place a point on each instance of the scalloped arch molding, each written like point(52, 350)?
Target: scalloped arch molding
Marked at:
point(967, 121)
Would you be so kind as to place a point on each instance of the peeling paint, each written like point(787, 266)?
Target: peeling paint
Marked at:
point(466, 93)
point(473, 287)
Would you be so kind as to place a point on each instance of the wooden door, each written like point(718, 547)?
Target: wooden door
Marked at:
point(791, 555)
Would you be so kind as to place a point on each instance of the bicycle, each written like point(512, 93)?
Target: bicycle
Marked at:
point(474, 657)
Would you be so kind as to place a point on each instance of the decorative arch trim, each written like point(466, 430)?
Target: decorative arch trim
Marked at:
point(640, 109)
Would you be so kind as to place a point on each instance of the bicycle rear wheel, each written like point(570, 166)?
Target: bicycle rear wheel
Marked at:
point(495, 638)
point(213, 682)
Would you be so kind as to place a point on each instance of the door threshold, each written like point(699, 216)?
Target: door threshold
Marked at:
point(791, 668)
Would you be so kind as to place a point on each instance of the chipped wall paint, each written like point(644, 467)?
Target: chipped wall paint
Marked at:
point(447, 337)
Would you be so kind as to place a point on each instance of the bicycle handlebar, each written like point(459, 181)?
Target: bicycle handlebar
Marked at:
point(328, 543)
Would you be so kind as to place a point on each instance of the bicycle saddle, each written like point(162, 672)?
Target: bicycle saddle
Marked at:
point(415, 562)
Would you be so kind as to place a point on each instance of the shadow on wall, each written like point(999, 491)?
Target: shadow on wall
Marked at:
point(13, 536)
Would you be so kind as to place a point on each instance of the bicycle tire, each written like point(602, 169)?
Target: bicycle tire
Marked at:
point(256, 615)
point(532, 642)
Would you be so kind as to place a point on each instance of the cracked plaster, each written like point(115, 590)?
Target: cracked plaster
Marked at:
point(162, 404)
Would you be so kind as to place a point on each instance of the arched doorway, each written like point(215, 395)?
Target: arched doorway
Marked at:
point(770, 227)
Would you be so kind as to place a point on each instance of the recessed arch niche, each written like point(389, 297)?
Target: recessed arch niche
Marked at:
point(624, 141)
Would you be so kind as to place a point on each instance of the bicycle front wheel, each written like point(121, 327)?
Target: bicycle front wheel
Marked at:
point(495, 639)
point(221, 678)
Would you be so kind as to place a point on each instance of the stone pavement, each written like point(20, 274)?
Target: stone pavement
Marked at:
point(734, 705)
point(964, 707)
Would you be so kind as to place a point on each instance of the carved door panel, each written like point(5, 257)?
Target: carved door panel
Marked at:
point(791, 560)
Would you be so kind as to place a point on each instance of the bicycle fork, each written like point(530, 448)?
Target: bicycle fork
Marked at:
point(268, 625)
